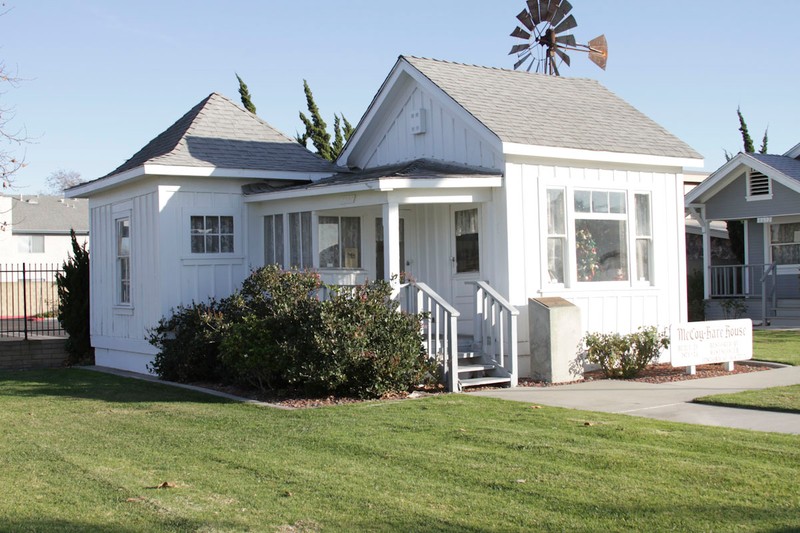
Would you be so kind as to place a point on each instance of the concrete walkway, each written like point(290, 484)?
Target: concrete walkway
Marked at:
point(668, 401)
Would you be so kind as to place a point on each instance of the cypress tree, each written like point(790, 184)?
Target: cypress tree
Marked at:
point(749, 148)
point(245, 94)
point(317, 130)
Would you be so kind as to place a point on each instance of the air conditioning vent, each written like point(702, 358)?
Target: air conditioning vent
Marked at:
point(758, 184)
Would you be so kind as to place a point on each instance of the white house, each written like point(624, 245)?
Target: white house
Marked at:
point(35, 229)
point(471, 180)
point(763, 191)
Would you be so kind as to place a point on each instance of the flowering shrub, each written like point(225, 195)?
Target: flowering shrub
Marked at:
point(625, 356)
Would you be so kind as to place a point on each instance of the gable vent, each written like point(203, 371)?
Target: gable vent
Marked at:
point(758, 184)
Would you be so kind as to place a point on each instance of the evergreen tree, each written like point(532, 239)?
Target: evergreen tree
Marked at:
point(73, 303)
point(317, 130)
point(749, 148)
point(763, 149)
point(245, 94)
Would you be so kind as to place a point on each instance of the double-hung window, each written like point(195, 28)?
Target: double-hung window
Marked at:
point(273, 240)
point(601, 239)
point(300, 255)
point(123, 262)
point(556, 235)
point(339, 242)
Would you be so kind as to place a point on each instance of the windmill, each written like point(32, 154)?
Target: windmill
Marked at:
point(545, 27)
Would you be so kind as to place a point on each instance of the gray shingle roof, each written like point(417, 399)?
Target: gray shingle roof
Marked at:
point(535, 109)
point(417, 169)
point(49, 214)
point(218, 133)
point(786, 165)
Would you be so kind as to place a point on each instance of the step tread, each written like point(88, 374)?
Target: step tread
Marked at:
point(474, 368)
point(469, 355)
point(489, 380)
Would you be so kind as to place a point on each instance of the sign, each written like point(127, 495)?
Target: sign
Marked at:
point(714, 341)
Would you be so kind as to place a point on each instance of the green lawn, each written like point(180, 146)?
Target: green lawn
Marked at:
point(82, 451)
point(772, 399)
point(777, 346)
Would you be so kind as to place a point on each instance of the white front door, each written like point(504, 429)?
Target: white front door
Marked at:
point(465, 261)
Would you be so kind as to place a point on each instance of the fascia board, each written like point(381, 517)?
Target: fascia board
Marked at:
point(794, 152)
point(574, 154)
point(86, 190)
point(716, 181)
point(773, 173)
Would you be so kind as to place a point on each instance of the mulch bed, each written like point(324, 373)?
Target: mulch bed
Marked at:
point(662, 373)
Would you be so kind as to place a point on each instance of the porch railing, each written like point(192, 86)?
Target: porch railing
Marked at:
point(439, 327)
point(746, 281)
point(29, 300)
point(496, 327)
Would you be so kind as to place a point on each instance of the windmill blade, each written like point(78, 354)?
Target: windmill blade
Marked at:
point(517, 48)
point(525, 18)
point(563, 10)
point(521, 61)
point(520, 33)
point(551, 11)
point(568, 40)
point(564, 57)
point(533, 7)
point(567, 24)
point(598, 51)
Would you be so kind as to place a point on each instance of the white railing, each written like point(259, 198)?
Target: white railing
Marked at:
point(746, 281)
point(496, 327)
point(439, 326)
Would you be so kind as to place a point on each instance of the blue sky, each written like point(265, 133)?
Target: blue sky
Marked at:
point(101, 78)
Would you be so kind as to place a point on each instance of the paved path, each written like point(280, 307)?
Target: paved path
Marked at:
point(668, 401)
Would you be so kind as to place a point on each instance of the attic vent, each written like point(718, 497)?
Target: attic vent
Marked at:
point(758, 184)
point(417, 121)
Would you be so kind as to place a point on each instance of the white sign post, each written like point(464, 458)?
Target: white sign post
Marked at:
point(715, 341)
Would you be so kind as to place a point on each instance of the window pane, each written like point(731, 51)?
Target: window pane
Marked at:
point(601, 250)
point(643, 256)
point(643, 215)
point(351, 242)
point(599, 202)
point(786, 254)
point(294, 240)
point(212, 225)
point(226, 244)
point(197, 225)
point(305, 222)
point(583, 201)
point(212, 244)
point(226, 225)
point(123, 237)
point(269, 240)
point(328, 242)
point(616, 202)
point(785, 233)
point(198, 244)
point(279, 240)
point(555, 259)
point(467, 246)
point(555, 211)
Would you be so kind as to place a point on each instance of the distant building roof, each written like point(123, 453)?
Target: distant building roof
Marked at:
point(540, 110)
point(218, 133)
point(786, 165)
point(49, 214)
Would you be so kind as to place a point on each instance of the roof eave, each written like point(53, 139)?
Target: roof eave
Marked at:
point(576, 154)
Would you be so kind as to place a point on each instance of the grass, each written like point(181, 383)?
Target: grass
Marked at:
point(786, 399)
point(82, 451)
point(777, 346)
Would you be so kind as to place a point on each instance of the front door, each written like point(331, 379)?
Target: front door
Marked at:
point(465, 261)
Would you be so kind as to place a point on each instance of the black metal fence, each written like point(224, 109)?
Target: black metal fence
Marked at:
point(29, 301)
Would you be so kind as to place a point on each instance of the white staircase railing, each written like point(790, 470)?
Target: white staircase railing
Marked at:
point(496, 328)
point(439, 327)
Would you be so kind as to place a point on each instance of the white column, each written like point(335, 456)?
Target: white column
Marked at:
point(391, 242)
point(706, 225)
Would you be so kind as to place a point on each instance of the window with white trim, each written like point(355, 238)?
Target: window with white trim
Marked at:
point(273, 240)
point(644, 237)
point(123, 260)
point(30, 244)
point(339, 242)
point(601, 238)
point(211, 234)
point(300, 240)
point(556, 235)
point(785, 243)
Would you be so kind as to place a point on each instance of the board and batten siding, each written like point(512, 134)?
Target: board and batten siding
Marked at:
point(447, 137)
point(731, 202)
point(607, 307)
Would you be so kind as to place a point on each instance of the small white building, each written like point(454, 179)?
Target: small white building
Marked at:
point(470, 180)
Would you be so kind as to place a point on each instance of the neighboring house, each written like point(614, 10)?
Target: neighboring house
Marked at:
point(721, 253)
point(35, 229)
point(536, 186)
point(764, 192)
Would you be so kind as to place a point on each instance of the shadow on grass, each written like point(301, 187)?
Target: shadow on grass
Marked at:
point(83, 526)
point(750, 407)
point(91, 385)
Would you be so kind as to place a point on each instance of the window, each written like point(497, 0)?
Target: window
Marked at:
point(300, 240)
point(467, 245)
point(644, 237)
point(30, 244)
point(339, 242)
point(785, 243)
point(556, 235)
point(123, 250)
point(273, 240)
point(601, 241)
point(211, 234)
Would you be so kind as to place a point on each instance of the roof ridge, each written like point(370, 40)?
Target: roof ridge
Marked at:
point(500, 69)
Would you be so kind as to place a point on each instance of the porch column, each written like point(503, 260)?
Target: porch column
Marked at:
point(706, 225)
point(391, 243)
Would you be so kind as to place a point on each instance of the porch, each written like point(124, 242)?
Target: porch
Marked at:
point(766, 293)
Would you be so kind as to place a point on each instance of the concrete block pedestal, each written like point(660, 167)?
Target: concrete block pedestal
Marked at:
point(555, 332)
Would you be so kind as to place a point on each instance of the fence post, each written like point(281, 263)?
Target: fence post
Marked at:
point(25, 301)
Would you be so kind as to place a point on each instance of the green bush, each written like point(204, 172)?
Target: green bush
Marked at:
point(73, 303)
point(188, 343)
point(625, 356)
point(696, 292)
